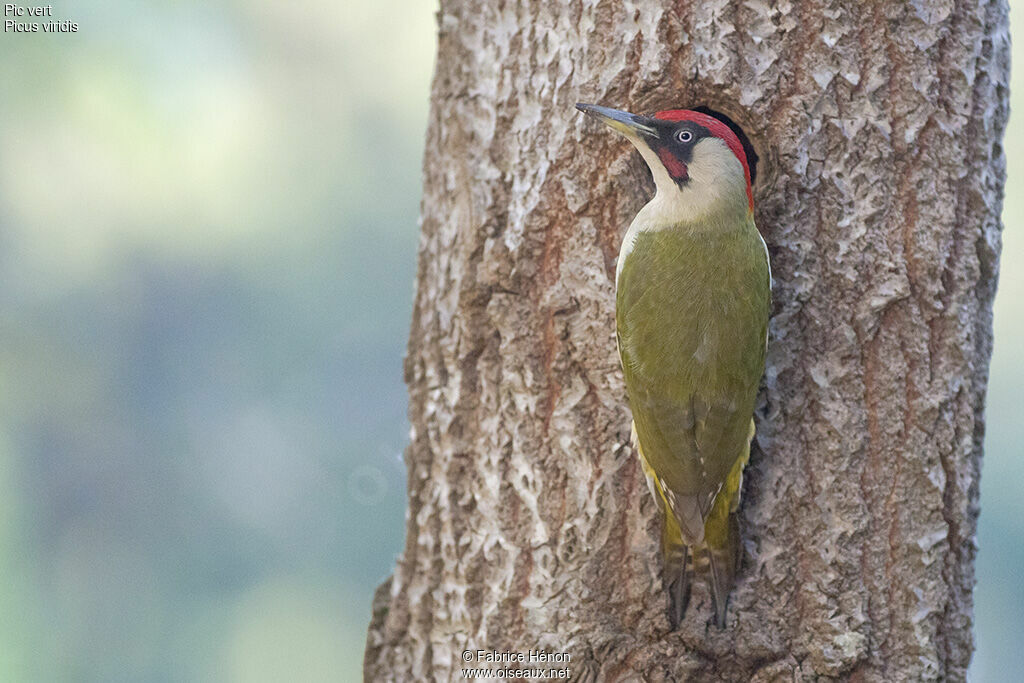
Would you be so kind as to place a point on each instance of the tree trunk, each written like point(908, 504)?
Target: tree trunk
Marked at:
point(879, 127)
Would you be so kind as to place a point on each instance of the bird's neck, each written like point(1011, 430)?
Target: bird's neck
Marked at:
point(698, 202)
point(691, 209)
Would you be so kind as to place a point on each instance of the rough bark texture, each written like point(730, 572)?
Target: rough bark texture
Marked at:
point(879, 126)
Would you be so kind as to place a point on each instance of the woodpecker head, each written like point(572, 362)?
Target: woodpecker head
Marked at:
point(698, 163)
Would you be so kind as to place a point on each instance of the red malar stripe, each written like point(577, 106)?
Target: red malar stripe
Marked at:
point(675, 168)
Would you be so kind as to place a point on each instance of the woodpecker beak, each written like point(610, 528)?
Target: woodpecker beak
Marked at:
point(630, 125)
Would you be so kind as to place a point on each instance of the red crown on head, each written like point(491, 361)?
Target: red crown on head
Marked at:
point(719, 130)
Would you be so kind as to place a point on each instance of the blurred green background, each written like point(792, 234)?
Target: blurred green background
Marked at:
point(207, 249)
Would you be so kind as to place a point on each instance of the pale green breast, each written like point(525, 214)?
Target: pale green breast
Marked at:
point(692, 311)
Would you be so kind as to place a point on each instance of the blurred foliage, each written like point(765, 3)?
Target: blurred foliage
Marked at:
point(207, 248)
point(208, 225)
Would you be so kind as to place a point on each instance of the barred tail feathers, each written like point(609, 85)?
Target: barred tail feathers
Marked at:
point(674, 551)
point(723, 563)
point(722, 537)
point(716, 553)
point(676, 573)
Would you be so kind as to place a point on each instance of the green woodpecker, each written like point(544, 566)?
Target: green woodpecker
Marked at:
point(692, 300)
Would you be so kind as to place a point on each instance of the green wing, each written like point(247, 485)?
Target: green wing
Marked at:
point(692, 317)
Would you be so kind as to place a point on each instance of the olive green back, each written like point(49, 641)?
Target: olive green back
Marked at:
point(692, 307)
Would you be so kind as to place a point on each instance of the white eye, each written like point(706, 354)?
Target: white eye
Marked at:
point(684, 136)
